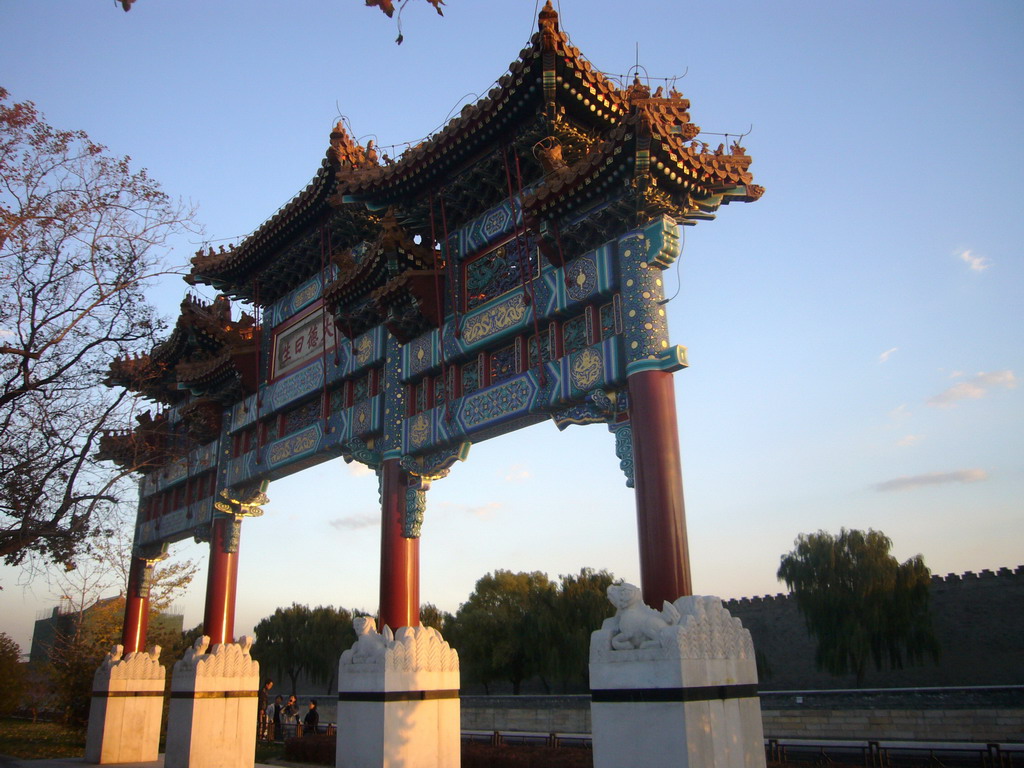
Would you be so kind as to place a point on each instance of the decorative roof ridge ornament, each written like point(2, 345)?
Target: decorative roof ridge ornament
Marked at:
point(346, 155)
point(547, 25)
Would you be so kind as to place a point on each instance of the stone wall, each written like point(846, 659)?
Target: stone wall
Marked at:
point(978, 725)
point(542, 714)
point(938, 716)
point(979, 621)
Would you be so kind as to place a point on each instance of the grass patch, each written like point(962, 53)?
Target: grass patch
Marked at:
point(34, 741)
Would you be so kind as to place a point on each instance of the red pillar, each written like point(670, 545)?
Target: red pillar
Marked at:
point(661, 519)
point(221, 584)
point(399, 556)
point(136, 609)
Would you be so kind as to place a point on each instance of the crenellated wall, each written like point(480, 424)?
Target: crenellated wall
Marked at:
point(979, 621)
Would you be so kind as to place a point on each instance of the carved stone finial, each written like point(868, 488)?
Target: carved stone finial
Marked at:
point(198, 648)
point(115, 654)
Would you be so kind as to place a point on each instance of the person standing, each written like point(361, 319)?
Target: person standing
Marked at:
point(311, 722)
point(275, 716)
point(261, 710)
point(290, 714)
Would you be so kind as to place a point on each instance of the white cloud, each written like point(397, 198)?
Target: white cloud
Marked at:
point(973, 388)
point(484, 511)
point(887, 354)
point(907, 482)
point(358, 469)
point(355, 522)
point(976, 263)
point(908, 440)
point(899, 413)
point(517, 473)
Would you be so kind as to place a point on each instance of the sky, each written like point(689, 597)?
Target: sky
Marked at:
point(855, 337)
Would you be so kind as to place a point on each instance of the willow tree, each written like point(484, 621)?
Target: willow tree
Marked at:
point(329, 633)
point(859, 602)
point(82, 235)
point(581, 608)
point(281, 641)
point(499, 631)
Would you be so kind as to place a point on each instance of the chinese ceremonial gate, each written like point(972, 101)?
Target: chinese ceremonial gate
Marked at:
point(505, 271)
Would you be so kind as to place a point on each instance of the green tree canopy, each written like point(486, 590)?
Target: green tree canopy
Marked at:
point(432, 616)
point(300, 639)
point(330, 633)
point(496, 631)
point(517, 626)
point(581, 608)
point(280, 640)
point(859, 602)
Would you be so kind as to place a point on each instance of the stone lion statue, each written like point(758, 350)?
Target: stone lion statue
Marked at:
point(369, 643)
point(639, 625)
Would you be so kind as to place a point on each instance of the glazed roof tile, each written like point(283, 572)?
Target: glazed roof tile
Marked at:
point(202, 333)
point(550, 77)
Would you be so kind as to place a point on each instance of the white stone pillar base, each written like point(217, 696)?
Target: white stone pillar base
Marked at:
point(212, 721)
point(398, 700)
point(676, 687)
point(126, 707)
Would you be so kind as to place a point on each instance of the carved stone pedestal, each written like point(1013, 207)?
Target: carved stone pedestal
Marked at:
point(127, 702)
point(676, 687)
point(212, 722)
point(398, 700)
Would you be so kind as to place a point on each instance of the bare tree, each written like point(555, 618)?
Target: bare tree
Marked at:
point(81, 235)
point(91, 611)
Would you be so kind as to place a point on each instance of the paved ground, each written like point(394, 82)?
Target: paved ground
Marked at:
point(78, 762)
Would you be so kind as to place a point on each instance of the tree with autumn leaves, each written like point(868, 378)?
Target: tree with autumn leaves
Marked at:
point(82, 236)
point(387, 6)
point(92, 603)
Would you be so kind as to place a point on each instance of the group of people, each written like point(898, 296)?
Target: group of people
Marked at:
point(273, 715)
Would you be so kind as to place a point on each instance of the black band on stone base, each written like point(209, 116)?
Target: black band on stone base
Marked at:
point(386, 696)
point(698, 693)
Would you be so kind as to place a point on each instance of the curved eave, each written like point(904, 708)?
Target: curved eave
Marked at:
point(208, 376)
point(223, 270)
point(698, 183)
point(372, 271)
